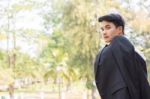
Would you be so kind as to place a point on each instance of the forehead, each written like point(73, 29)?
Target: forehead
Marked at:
point(106, 23)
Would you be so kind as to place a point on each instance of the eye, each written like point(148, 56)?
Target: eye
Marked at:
point(108, 27)
point(102, 29)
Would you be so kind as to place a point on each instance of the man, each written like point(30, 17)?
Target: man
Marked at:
point(120, 72)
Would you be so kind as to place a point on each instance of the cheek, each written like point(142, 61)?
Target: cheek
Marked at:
point(111, 32)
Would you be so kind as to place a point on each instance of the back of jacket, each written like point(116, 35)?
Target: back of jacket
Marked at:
point(108, 77)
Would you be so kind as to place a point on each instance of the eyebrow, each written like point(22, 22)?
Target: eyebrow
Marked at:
point(105, 26)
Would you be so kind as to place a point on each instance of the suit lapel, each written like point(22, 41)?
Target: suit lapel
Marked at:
point(98, 60)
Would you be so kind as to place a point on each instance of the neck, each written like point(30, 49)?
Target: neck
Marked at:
point(107, 43)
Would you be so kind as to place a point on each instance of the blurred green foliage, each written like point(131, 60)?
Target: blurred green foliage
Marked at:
point(69, 40)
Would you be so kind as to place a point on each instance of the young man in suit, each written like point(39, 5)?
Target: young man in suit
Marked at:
point(120, 72)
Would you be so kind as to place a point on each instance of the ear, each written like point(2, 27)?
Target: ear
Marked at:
point(120, 29)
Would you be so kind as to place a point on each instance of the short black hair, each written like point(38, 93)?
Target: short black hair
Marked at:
point(116, 19)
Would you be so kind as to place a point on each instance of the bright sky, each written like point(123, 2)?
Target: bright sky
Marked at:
point(32, 20)
point(24, 19)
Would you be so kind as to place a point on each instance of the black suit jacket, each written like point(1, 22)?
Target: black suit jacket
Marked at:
point(118, 66)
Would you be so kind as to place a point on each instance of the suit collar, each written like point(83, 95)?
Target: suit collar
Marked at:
point(98, 59)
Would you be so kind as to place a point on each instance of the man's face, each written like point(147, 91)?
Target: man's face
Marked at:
point(109, 30)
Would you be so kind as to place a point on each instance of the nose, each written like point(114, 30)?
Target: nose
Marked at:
point(104, 32)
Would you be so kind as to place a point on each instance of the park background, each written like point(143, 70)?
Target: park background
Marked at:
point(48, 47)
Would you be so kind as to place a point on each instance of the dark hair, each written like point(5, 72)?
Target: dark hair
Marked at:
point(116, 19)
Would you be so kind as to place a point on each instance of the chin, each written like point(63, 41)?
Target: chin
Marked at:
point(107, 41)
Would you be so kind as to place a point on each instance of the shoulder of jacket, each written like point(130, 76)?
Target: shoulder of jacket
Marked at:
point(140, 53)
point(122, 43)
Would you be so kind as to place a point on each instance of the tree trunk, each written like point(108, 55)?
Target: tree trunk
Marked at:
point(93, 93)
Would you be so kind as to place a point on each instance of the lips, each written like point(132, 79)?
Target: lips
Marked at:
point(106, 37)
